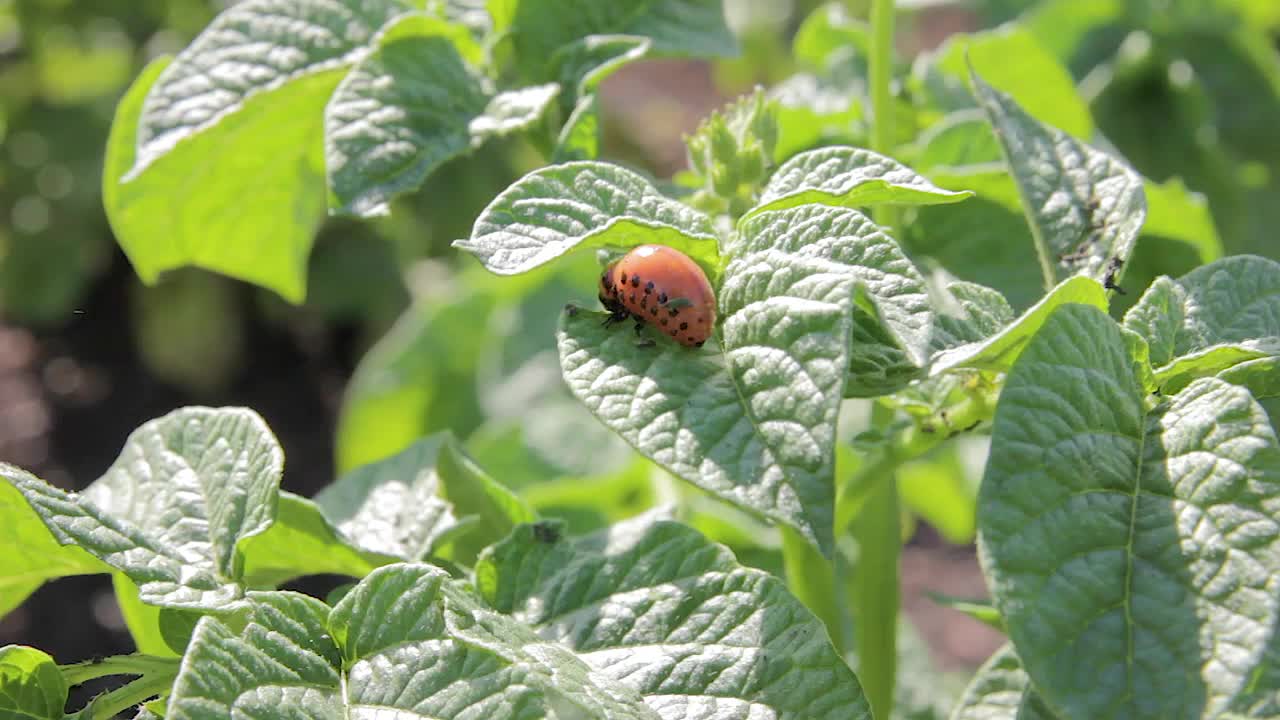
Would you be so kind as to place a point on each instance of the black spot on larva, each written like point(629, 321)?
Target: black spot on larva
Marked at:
point(662, 298)
point(674, 312)
point(633, 297)
point(624, 278)
point(699, 343)
point(702, 321)
point(644, 301)
point(684, 326)
point(653, 310)
point(664, 321)
point(673, 333)
point(648, 287)
point(635, 281)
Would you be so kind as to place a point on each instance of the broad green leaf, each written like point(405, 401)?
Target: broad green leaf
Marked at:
point(830, 39)
point(969, 313)
point(405, 388)
point(655, 606)
point(1215, 316)
point(1178, 236)
point(985, 239)
point(582, 65)
point(554, 210)
point(1177, 214)
point(815, 111)
point(1001, 690)
point(200, 480)
point(590, 503)
point(409, 107)
point(849, 177)
point(228, 171)
point(35, 556)
point(998, 352)
point(405, 506)
point(405, 641)
point(1081, 33)
point(940, 490)
point(1085, 208)
point(962, 138)
point(1261, 376)
point(142, 620)
point(754, 421)
point(1040, 82)
point(280, 663)
point(301, 542)
point(1131, 548)
point(579, 139)
point(172, 510)
point(540, 28)
point(31, 685)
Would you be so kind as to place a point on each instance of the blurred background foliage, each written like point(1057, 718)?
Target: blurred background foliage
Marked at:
point(400, 336)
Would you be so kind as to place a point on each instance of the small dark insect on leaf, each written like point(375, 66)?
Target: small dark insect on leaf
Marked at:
point(546, 533)
point(1113, 269)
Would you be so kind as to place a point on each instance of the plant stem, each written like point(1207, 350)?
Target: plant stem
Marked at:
point(135, 664)
point(108, 705)
point(881, 72)
point(875, 600)
point(874, 591)
point(815, 581)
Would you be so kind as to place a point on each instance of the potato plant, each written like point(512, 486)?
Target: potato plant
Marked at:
point(643, 529)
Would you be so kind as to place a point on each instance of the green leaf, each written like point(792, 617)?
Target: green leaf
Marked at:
point(979, 610)
point(280, 663)
point(1037, 78)
point(1177, 214)
point(554, 210)
point(655, 606)
point(301, 542)
point(962, 138)
point(985, 239)
point(1131, 549)
point(974, 312)
point(31, 685)
point(753, 423)
point(579, 139)
point(142, 620)
point(1261, 376)
point(228, 172)
point(1001, 690)
point(849, 177)
point(831, 40)
point(583, 64)
point(540, 28)
point(814, 111)
point(404, 388)
point(35, 556)
point(943, 492)
point(1084, 208)
point(1210, 319)
point(405, 640)
point(409, 107)
point(172, 510)
point(405, 506)
point(998, 352)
